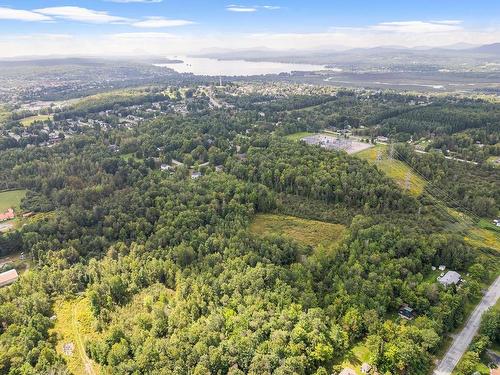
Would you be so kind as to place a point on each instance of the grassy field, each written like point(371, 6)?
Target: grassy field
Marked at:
point(395, 169)
point(306, 232)
point(28, 121)
point(356, 357)
point(130, 156)
point(297, 136)
point(73, 324)
point(482, 234)
point(11, 199)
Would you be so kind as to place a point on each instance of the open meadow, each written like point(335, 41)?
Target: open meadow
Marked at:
point(395, 169)
point(304, 231)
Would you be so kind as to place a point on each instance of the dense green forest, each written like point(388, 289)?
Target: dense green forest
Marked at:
point(176, 282)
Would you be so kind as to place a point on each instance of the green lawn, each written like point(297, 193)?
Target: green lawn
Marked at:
point(307, 232)
point(356, 357)
point(297, 136)
point(28, 121)
point(130, 156)
point(395, 169)
point(11, 199)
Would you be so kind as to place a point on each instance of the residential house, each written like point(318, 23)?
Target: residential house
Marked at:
point(8, 215)
point(450, 278)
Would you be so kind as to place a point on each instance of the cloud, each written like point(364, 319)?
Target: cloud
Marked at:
point(250, 9)
point(80, 14)
point(142, 36)
point(418, 26)
point(159, 22)
point(22, 15)
point(241, 9)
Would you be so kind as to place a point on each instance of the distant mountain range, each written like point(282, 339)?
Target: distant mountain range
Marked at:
point(459, 56)
point(493, 49)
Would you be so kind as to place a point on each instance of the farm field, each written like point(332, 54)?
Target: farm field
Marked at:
point(11, 199)
point(28, 121)
point(304, 231)
point(74, 325)
point(395, 169)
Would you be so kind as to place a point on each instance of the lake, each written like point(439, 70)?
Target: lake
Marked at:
point(214, 67)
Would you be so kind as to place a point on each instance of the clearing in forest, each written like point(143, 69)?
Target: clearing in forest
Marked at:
point(297, 136)
point(304, 231)
point(355, 357)
point(395, 169)
point(11, 199)
point(28, 121)
point(73, 327)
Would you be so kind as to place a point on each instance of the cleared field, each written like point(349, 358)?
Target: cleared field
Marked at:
point(395, 169)
point(482, 234)
point(304, 231)
point(297, 136)
point(356, 357)
point(483, 238)
point(73, 326)
point(28, 121)
point(11, 199)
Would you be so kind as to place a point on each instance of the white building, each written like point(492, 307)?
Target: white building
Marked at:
point(450, 278)
point(8, 277)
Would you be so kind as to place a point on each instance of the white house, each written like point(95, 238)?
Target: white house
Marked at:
point(450, 278)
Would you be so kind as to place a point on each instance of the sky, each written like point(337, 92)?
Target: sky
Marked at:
point(172, 27)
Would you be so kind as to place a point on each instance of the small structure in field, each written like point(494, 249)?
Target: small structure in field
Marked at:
point(166, 168)
point(8, 277)
point(366, 368)
point(347, 371)
point(450, 278)
point(195, 175)
point(406, 312)
point(69, 348)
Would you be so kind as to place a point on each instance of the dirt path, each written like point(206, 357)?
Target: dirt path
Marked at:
point(89, 369)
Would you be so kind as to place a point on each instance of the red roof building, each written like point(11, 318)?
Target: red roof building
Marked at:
point(7, 215)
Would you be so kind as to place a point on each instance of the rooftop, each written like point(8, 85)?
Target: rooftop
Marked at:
point(451, 277)
point(8, 277)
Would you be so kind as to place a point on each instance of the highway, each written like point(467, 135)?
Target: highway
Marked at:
point(462, 341)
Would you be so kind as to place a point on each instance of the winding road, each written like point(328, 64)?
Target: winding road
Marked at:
point(462, 341)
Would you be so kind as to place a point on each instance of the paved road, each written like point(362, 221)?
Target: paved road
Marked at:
point(462, 341)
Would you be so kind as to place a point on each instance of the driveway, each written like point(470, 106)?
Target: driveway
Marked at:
point(462, 341)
